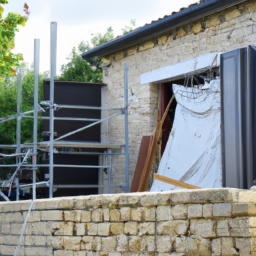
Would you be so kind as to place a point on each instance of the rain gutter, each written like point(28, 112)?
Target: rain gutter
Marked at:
point(159, 27)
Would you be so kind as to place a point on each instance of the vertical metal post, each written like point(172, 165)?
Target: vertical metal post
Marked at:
point(17, 188)
point(109, 170)
point(36, 81)
point(18, 124)
point(126, 187)
point(53, 75)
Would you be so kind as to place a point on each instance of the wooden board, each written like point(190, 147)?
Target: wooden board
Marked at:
point(152, 150)
point(144, 146)
point(174, 182)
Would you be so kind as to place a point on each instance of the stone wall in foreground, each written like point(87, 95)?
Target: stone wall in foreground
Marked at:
point(196, 222)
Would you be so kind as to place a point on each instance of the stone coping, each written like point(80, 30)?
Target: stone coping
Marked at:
point(144, 199)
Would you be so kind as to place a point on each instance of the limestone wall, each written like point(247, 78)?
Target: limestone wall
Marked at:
point(223, 31)
point(197, 222)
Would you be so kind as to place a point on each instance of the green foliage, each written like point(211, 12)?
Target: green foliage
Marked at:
point(8, 28)
point(78, 69)
point(8, 106)
point(127, 29)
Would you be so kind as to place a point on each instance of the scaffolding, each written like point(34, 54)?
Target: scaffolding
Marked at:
point(49, 146)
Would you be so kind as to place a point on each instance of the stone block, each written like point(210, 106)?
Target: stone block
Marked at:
point(109, 244)
point(72, 243)
point(165, 228)
point(74, 216)
point(155, 199)
point(10, 250)
point(163, 213)
point(150, 214)
point(129, 200)
point(81, 229)
point(203, 227)
point(63, 203)
point(207, 210)
point(35, 240)
point(66, 229)
point(180, 227)
point(117, 228)
point(244, 245)
point(55, 242)
point(104, 229)
point(97, 215)
point(115, 215)
point(146, 46)
point(222, 210)
point(232, 15)
point(216, 247)
point(125, 213)
point(195, 211)
point(162, 40)
point(197, 28)
point(244, 209)
point(180, 212)
point(134, 243)
point(222, 228)
point(205, 247)
point(79, 253)
point(131, 228)
point(40, 251)
point(51, 215)
point(147, 228)
point(164, 244)
point(122, 243)
point(63, 253)
point(227, 247)
point(15, 217)
point(137, 214)
point(180, 244)
point(86, 216)
point(34, 216)
point(106, 215)
point(92, 229)
point(80, 202)
point(91, 243)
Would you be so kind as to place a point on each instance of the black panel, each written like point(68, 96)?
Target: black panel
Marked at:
point(72, 93)
point(238, 117)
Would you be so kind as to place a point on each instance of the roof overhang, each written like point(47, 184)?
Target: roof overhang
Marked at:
point(182, 69)
point(160, 27)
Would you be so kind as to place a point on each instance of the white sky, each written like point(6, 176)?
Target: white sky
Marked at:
point(78, 19)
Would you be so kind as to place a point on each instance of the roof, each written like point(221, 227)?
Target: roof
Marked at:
point(159, 27)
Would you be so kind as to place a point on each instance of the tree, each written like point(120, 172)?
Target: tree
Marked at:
point(78, 69)
point(8, 28)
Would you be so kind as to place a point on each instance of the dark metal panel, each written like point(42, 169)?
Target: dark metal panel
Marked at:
point(231, 118)
point(72, 93)
point(251, 116)
point(238, 101)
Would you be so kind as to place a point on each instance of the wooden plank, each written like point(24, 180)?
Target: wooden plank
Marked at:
point(174, 182)
point(152, 151)
point(144, 146)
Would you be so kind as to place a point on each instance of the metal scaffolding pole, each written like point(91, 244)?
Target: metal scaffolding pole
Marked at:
point(53, 75)
point(36, 81)
point(18, 125)
point(126, 188)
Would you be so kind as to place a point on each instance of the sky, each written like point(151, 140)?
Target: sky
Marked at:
point(77, 20)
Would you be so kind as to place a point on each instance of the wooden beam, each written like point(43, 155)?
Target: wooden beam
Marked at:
point(174, 182)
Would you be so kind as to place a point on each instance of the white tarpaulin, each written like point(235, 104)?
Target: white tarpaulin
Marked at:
point(193, 151)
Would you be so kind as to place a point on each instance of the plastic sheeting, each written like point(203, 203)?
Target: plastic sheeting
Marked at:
point(193, 151)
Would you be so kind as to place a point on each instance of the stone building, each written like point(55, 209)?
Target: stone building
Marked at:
point(211, 26)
